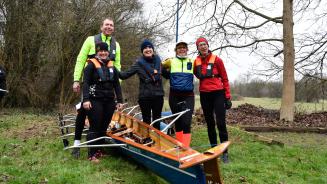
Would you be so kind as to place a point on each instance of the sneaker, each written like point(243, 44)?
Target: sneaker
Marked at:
point(76, 153)
point(225, 159)
point(94, 160)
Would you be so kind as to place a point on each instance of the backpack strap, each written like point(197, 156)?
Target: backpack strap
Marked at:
point(211, 63)
point(110, 67)
point(112, 50)
point(97, 38)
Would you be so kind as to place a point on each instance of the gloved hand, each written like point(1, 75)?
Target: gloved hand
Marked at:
point(166, 63)
point(228, 104)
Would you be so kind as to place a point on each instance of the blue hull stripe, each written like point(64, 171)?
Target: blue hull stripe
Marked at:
point(164, 167)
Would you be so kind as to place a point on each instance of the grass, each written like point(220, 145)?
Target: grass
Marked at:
point(305, 140)
point(31, 152)
point(255, 162)
point(268, 103)
point(274, 103)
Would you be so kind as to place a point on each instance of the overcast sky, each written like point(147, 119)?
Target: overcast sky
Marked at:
point(241, 63)
point(239, 66)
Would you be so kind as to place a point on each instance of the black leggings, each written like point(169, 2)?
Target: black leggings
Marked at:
point(184, 122)
point(153, 104)
point(214, 102)
point(2, 86)
point(99, 117)
point(79, 123)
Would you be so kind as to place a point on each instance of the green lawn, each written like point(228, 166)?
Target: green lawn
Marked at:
point(255, 162)
point(31, 152)
point(268, 103)
point(274, 103)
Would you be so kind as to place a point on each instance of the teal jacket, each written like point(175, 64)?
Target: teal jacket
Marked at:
point(88, 48)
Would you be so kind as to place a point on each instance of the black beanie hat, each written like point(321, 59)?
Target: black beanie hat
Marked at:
point(146, 43)
point(101, 46)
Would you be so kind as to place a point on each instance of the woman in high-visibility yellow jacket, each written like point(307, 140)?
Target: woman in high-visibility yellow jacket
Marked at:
point(181, 95)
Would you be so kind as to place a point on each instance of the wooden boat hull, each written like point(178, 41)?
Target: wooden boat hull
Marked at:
point(163, 154)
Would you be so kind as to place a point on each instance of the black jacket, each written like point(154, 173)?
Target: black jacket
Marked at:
point(2, 82)
point(104, 90)
point(147, 87)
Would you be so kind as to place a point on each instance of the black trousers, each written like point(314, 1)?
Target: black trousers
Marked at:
point(2, 86)
point(79, 123)
point(176, 105)
point(213, 102)
point(151, 107)
point(99, 117)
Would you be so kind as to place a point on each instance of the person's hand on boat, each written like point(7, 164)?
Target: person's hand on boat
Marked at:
point(119, 106)
point(87, 105)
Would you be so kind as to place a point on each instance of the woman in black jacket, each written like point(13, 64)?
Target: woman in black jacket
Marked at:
point(101, 86)
point(148, 69)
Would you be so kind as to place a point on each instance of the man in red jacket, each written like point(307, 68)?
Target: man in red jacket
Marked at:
point(214, 92)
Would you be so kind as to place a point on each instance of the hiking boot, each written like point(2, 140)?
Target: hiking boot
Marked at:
point(76, 153)
point(224, 158)
point(94, 160)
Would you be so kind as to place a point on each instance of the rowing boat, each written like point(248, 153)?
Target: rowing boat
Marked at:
point(161, 153)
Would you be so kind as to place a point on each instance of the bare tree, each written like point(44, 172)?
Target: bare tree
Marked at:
point(288, 96)
point(260, 28)
point(42, 40)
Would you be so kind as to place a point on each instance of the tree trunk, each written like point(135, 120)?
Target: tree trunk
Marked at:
point(288, 96)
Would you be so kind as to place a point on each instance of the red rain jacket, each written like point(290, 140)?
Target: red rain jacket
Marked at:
point(218, 80)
